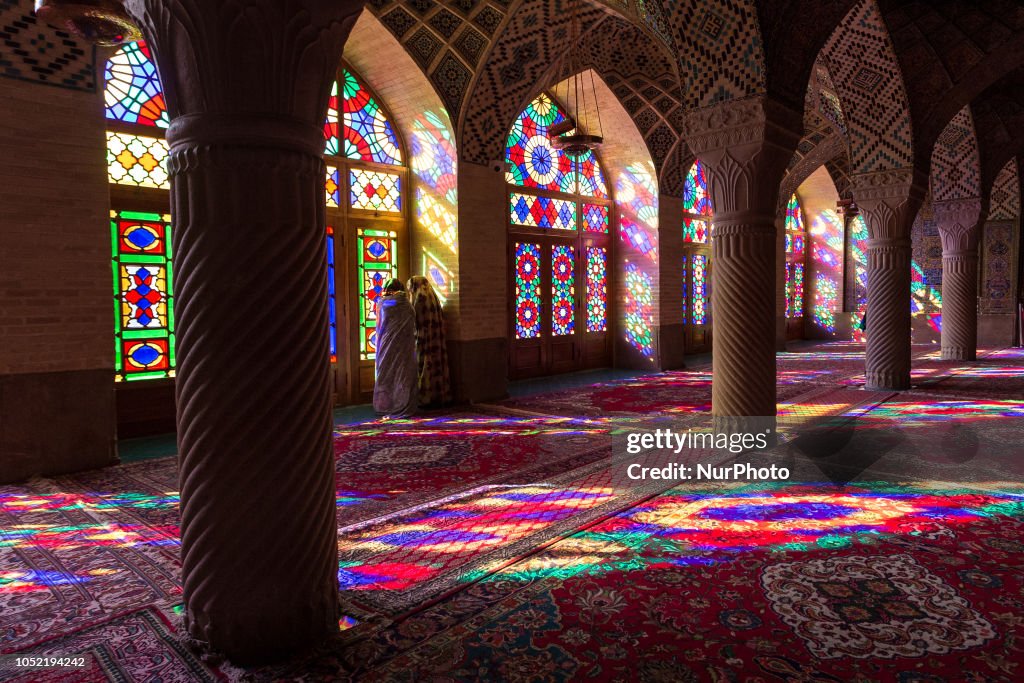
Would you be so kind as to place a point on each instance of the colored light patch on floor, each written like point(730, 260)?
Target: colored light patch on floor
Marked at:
point(14, 503)
point(477, 426)
point(398, 554)
point(997, 372)
point(923, 414)
point(32, 580)
point(57, 537)
point(684, 529)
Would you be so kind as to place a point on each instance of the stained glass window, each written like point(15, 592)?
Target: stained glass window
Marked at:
point(695, 230)
point(137, 160)
point(563, 290)
point(686, 286)
point(542, 212)
point(794, 217)
point(364, 133)
point(375, 191)
point(332, 187)
point(589, 177)
point(700, 289)
point(133, 93)
point(595, 218)
point(332, 307)
point(695, 191)
point(535, 163)
point(825, 302)
point(794, 290)
point(378, 262)
point(597, 289)
point(143, 301)
point(527, 261)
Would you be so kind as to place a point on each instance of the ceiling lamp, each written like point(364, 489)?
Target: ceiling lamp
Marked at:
point(580, 134)
point(103, 22)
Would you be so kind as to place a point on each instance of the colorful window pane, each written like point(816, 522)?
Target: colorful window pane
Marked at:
point(527, 290)
point(378, 262)
point(825, 301)
point(368, 134)
point(695, 191)
point(534, 161)
point(137, 160)
point(133, 93)
point(331, 137)
point(686, 286)
point(332, 308)
point(597, 289)
point(700, 289)
point(695, 230)
point(542, 212)
point(590, 179)
point(638, 311)
point(143, 295)
point(595, 218)
point(636, 236)
point(375, 191)
point(794, 290)
point(332, 187)
point(794, 217)
point(563, 290)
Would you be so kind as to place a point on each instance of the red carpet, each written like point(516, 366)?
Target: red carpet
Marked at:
point(493, 545)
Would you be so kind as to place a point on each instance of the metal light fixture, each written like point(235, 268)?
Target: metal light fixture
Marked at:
point(103, 22)
point(582, 134)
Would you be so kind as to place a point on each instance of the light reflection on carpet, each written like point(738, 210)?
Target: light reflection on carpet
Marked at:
point(681, 528)
point(401, 553)
point(927, 413)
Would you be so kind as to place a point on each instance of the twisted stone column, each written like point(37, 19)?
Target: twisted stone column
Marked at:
point(889, 201)
point(959, 227)
point(745, 146)
point(247, 84)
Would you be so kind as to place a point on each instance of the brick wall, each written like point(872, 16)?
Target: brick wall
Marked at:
point(55, 287)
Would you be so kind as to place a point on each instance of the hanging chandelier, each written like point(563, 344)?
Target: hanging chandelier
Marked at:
point(103, 22)
point(581, 133)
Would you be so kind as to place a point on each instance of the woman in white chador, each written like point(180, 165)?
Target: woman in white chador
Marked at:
point(394, 392)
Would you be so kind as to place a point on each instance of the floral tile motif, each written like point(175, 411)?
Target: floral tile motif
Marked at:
point(882, 606)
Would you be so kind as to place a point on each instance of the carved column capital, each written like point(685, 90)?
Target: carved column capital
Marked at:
point(959, 222)
point(889, 200)
point(274, 58)
point(745, 146)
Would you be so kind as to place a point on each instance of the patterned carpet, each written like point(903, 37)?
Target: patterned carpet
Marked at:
point(491, 545)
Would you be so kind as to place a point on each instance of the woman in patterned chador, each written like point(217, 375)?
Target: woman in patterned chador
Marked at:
point(394, 392)
point(431, 351)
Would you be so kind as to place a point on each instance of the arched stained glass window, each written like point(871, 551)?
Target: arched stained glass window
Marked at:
point(140, 229)
point(795, 240)
point(365, 192)
point(697, 214)
point(366, 133)
point(133, 92)
point(695, 192)
point(560, 215)
point(535, 163)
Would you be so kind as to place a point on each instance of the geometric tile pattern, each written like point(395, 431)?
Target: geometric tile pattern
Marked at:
point(860, 56)
point(956, 165)
point(927, 245)
point(720, 50)
point(998, 249)
point(32, 51)
point(1005, 198)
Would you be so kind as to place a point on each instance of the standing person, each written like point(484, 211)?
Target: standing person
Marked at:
point(394, 392)
point(435, 387)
